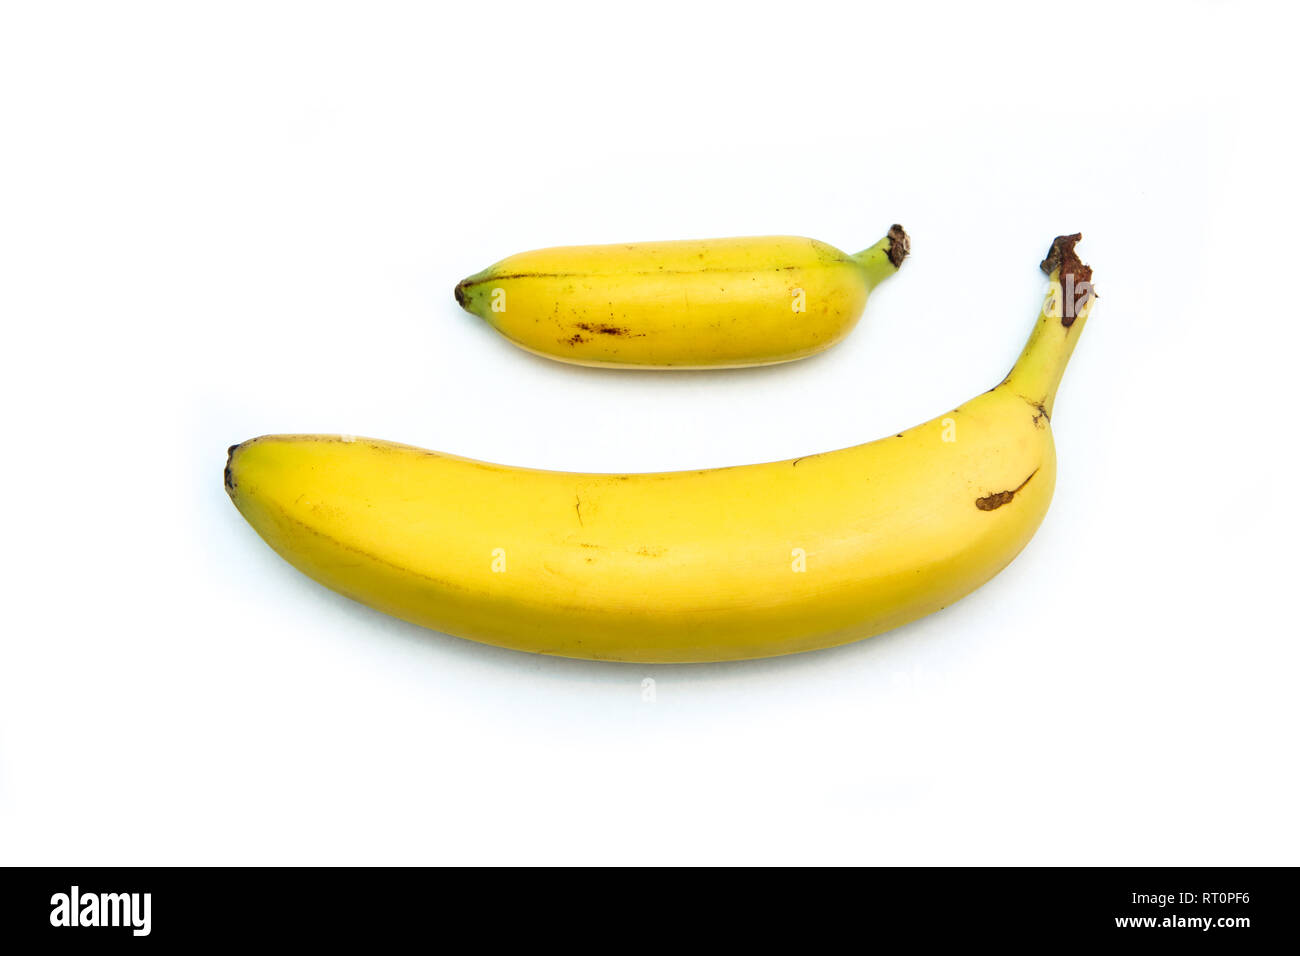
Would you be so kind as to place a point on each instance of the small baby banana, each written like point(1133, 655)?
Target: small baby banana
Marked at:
point(711, 303)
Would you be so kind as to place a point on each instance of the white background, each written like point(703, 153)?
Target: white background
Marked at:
point(223, 220)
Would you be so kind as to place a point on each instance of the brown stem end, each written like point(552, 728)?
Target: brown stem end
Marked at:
point(1062, 256)
point(899, 245)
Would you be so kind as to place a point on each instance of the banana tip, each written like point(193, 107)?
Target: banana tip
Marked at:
point(1063, 257)
point(229, 475)
point(460, 293)
point(900, 244)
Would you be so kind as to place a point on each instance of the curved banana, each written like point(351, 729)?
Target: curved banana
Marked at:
point(720, 564)
point(713, 303)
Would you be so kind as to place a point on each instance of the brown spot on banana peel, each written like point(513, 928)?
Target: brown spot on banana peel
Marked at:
point(995, 501)
point(1062, 256)
point(607, 329)
point(899, 245)
point(1040, 411)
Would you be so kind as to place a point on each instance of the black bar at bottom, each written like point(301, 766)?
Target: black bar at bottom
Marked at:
point(657, 907)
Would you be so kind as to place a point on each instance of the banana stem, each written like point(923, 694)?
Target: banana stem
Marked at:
point(1037, 373)
point(883, 259)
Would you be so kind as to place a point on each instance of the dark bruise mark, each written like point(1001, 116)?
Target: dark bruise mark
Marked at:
point(1040, 409)
point(993, 502)
point(606, 329)
point(795, 463)
point(899, 245)
point(1062, 256)
point(230, 478)
point(575, 339)
point(577, 506)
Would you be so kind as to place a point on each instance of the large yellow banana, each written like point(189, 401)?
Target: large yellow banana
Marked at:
point(710, 565)
point(712, 303)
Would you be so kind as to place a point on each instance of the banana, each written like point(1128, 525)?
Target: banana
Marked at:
point(712, 565)
point(713, 303)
